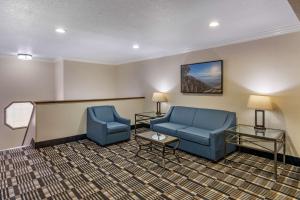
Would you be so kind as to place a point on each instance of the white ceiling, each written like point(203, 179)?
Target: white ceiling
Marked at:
point(104, 30)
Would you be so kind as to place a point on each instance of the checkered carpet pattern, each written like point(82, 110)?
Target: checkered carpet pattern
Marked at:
point(85, 170)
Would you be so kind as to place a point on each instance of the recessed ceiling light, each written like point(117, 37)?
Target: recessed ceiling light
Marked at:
point(135, 46)
point(22, 56)
point(60, 30)
point(214, 24)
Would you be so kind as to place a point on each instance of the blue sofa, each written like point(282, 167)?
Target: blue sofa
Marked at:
point(201, 131)
point(105, 126)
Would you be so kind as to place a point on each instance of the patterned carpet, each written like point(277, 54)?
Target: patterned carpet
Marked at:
point(84, 170)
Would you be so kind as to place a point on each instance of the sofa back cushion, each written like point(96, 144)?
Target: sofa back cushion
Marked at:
point(209, 119)
point(182, 115)
point(104, 113)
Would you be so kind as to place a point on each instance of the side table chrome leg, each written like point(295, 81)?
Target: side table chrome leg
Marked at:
point(239, 142)
point(225, 149)
point(284, 147)
point(134, 126)
point(275, 160)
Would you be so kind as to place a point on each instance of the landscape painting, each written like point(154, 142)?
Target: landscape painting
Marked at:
point(203, 78)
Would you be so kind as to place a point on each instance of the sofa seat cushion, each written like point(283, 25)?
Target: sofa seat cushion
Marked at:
point(115, 127)
point(193, 134)
point(168, 128)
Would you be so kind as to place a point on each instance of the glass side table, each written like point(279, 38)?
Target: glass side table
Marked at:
point(246, 136)
point(144, 118)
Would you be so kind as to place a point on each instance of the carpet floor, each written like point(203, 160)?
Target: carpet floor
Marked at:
point(85, 170)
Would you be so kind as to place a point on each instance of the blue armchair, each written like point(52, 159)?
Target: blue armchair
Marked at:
point(105, 126)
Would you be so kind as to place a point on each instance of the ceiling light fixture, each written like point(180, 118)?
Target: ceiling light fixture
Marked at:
point(135, 46)
point(22, 56)
point(214, 24)
point(60, 30)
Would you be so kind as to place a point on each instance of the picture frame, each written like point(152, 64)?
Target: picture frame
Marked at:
point(202, 78)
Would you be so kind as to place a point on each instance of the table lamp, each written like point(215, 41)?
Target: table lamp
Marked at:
point(260, 104)
point(159, 97)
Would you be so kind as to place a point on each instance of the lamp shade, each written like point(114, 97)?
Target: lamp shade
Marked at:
point(260, 102)
point(159, 97)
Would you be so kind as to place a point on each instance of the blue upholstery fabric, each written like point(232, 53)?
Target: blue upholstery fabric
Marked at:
point(209, 119)
point(193, 134)
point(118, 137)
point(182, 115)
point(201, 131)
point(104, 113)
point(194, 148)
point(115, 127)
point(217, 138)
point(166, 118)
point(105, 126)
point(168, 128)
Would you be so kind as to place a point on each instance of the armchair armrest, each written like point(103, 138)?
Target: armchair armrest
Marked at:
point(95, 124)
point(99, 122)
point(123, 120)
point(120, 119)
point(96, 129)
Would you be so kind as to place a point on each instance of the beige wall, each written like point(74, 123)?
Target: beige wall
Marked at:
point(88, 80)
point(268, 66)
point(59, 79)
point(20, 81)
point(129, 81)
point(41, 80)
point(61, 120)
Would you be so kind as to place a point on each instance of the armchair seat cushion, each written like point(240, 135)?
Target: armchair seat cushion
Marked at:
point(168, 127)
point(115, 127)
point(193, 134)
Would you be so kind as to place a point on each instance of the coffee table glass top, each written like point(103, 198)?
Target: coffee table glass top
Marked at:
point(249, 130)
point(148, 136)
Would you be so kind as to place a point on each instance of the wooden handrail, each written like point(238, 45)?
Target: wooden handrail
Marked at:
point(86, 100)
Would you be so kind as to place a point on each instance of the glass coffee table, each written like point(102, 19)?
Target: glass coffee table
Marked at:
point(156, 142)
point(268, 140)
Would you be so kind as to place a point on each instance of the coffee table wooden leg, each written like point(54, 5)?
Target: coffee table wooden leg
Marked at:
point(175, 152)
point(137, 153)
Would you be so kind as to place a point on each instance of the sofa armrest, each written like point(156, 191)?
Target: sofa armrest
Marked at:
point(217, 138)
point(230, 122)
point(158, 121)
point(163, 119)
